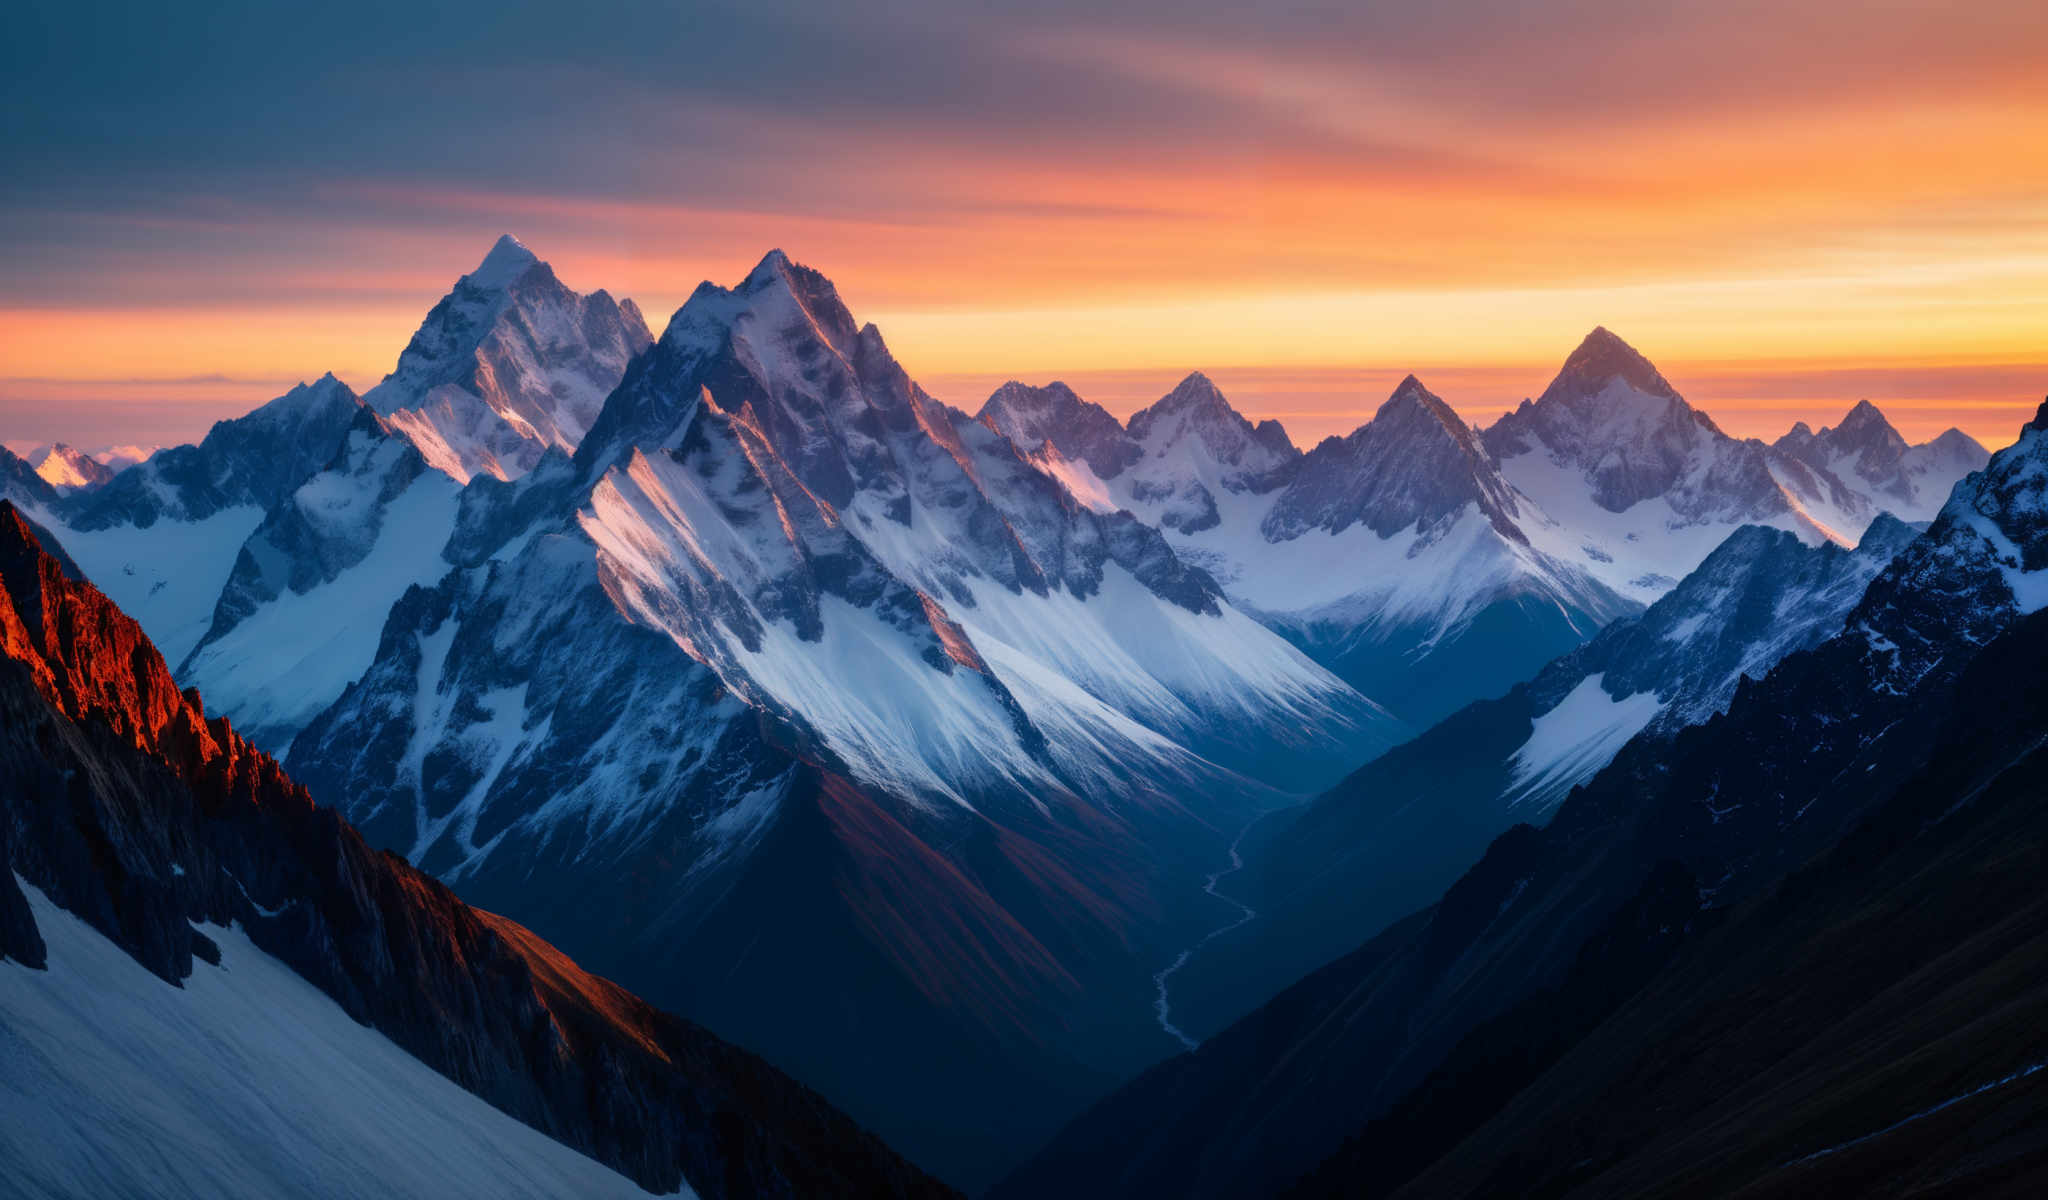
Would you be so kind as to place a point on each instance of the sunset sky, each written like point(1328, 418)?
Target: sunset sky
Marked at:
point(1789, 206)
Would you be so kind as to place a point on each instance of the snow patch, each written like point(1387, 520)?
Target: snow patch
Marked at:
point(246, 1082)
point(168, 575)
point(1572, 741)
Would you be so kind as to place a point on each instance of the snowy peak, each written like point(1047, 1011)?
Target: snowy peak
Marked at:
point(509, 363)
point(1196, 401)
point(782, 348)
point(1611, 417)
point(1412, 401)
point(1865, 426)
point(306, 403)
point(1413, 465)
point(1865, 453)
point(507, 261)
point(813, 295)
point(1864, 438)
point(1032, 417)
point(1954, 443)
point(69, 470)
point(1195, 418)
point(1603, 359)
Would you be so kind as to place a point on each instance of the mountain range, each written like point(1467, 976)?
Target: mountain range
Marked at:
point(1705, 867)
point(966, 767)
point(1430, 564)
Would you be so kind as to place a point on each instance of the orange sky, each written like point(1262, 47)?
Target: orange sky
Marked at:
point(1788, 208)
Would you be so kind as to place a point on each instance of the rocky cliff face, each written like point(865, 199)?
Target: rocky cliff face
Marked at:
point(127, 805)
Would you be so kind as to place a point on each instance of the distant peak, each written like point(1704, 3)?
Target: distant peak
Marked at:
point(1954, 438)
point(1864, 416)
point(1196, 389)
point(1411, 397)
point(1193, 394)
point(508, 260)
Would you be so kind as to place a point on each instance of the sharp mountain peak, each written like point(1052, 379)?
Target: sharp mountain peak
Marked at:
point(1602, 356)
point(507, 261)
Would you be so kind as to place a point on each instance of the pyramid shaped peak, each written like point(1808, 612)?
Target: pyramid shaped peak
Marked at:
point(1955, 437)
point(773, 264)
point(1412, 393)
point(1411, 388)
point(1194, 390)
point(1414, 411)
point(1864, 417)
point(1194, 394)
point(508, 260)
point(1601, 358)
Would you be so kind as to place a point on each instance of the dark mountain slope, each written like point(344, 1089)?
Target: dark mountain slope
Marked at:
point(1873, 1026)
point(126, 805)
point(1389, 838)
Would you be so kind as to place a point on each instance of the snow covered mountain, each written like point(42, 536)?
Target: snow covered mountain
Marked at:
point(66, 469)
point(210, 986)
point(1865, 452)
point(1393, 556)
point(1638, 485)
point(1429, 564)
point(789, 646)
point(121, 457)
point(299, 617)
point(1391, 837)
point(162, 537)
point(508, 364)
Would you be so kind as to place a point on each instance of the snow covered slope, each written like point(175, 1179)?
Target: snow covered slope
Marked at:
point(508, 364)
point(299, 618)
point(244, 1082)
